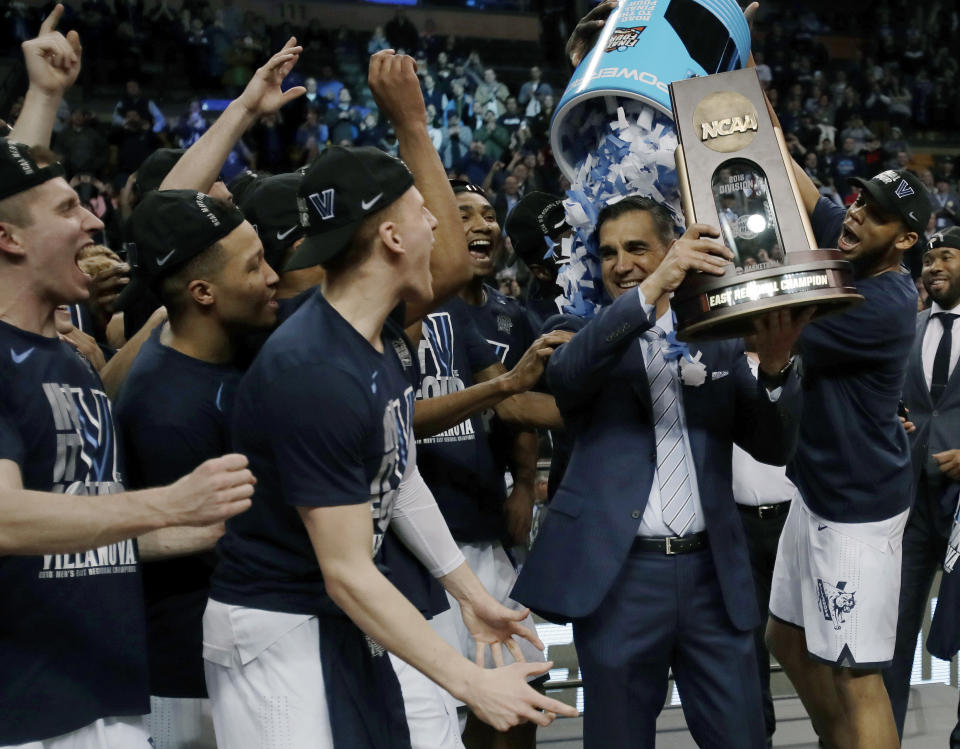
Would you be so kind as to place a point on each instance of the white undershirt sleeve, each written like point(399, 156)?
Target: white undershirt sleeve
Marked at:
point(421, 526)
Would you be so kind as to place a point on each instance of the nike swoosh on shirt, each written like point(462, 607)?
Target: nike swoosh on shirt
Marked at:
point(22, 356)
point(217, 402)
point(281, 235)
point(165, 258)
point(821, 527)
point(366, 204)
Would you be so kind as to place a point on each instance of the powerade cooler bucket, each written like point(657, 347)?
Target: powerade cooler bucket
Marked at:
point(644, 46)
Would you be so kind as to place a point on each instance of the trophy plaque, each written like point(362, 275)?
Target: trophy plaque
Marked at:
point(735, 173)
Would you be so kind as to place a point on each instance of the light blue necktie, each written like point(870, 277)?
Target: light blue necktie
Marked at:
point(676, 495)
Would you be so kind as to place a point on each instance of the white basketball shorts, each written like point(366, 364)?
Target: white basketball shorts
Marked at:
point(840, 583)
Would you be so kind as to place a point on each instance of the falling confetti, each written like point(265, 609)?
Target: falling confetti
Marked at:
point(631, 154)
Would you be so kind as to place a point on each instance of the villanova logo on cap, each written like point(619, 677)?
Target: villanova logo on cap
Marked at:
point(323, 203)
point(904, 190)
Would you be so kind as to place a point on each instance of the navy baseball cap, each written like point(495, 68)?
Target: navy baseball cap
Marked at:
point(461, 185)
point(946, 238)
point(901, 193)
point(243, 183)
point(167, 229)
point(19, 171)
point(536, 217)
point(155, 168)
point(343, 186)
point(271, 206)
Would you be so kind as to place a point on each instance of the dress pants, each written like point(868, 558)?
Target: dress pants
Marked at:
point(763, 536)
point(924, 546)
point(667, 612)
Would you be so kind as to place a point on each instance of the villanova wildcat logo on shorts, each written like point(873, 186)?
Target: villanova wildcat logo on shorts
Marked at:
point(834, 601)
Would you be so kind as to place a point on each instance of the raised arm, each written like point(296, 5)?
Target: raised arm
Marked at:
point(396, 89)
point(808, 191)
point(200, 166)
point(53, 64)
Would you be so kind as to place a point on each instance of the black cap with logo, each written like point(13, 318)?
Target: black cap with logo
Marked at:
point(19, 171)
point(341, 188)
point(169, 228)
point(243, 183)
point(901, 193)
point(271, 206)
point(946, 238)
point(461, 185)
point(537, 217)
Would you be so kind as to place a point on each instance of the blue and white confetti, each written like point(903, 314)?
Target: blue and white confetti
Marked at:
point(631, 154)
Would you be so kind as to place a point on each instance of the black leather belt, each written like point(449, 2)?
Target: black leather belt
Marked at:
point(671, 545)
point(766, 512)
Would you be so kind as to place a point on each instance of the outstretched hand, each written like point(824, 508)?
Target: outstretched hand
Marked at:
point(777, 333)
point(52, 59)
point(528, 370)
point(263, 94)
point(493, 625)
point(502, 698)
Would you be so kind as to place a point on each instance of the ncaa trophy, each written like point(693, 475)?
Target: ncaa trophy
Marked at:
point(735, 172)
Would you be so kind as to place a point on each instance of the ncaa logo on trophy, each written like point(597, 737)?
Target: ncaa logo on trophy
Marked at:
point(735, 172)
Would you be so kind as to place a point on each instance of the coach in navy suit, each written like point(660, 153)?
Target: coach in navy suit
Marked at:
point(643, 548)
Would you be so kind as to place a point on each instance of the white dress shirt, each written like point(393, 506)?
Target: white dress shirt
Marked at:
point(756, 483)
point(652, 523)
point(931, 340)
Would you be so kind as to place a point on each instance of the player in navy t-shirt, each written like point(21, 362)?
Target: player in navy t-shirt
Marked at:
point(465, 465)
point(326, 409)
point(835, 588)
point(173, 413)
point(72, 641)
point(208, 267)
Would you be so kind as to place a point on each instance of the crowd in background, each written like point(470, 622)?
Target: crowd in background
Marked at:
point(854, 113)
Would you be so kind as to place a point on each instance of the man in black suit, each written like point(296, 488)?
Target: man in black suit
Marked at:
point(932, 396)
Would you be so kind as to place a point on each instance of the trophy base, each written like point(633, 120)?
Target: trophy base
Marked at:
point(716, 307)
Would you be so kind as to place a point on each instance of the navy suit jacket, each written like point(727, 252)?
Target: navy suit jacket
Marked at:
point(937, 429)
point(600, 383)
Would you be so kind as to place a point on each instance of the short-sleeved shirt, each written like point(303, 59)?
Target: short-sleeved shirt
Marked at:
point(325, 420)
point(173, 413)
point(853, 460)
point(72, 637)
point(504, 322)
point(458, 464)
